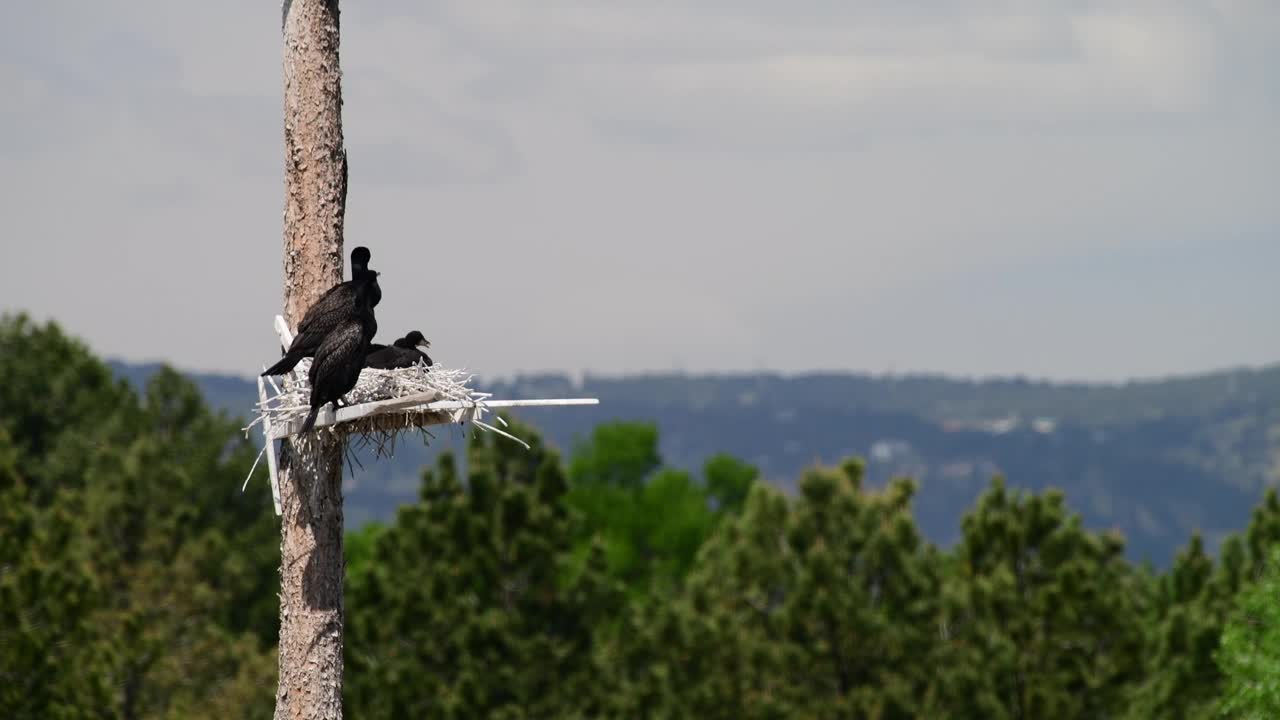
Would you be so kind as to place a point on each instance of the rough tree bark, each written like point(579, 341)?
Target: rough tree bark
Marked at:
point(311, 565)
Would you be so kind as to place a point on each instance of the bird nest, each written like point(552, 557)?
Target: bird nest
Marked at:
point(382, 405)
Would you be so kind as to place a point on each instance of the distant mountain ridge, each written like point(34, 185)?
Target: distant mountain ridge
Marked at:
point(1155, 459)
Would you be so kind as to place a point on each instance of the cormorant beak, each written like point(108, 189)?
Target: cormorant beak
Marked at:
point(424, 344)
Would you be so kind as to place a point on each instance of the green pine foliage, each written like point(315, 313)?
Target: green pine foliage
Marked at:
point(649, 519)
point(135, 579)
point(47, 597)
point(1044, 616)
point(1250, 652)
point(468, 605)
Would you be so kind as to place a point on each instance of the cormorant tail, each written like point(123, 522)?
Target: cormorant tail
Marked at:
point(310, 422)
point(285, 364)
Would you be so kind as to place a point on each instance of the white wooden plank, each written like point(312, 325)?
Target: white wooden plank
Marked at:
point(270, 449)
point(286, 340)
point(421, 403)
point(532, 402)
point(282, 329)
point(328, 417)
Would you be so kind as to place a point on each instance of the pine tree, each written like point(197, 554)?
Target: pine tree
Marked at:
point(728, 481)
point(650, 520)
point(129, 511)
point(1249, 656)
point(1180, 680)
point(1044, 617)
point(53, 664)
point(822, 609)
point(1184, 669)
point(187, 561)
point(472, 606)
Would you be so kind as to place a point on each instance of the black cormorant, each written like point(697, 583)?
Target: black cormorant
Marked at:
point(321, 318)
point(340, 357)
point(403, 353)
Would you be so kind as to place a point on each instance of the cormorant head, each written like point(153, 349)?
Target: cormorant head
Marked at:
point(360, 259)
point(413, 339)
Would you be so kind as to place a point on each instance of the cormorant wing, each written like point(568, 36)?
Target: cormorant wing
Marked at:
point(334, 305)
point(338, 353)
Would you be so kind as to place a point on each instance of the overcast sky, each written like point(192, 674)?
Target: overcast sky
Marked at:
point(1063, 189)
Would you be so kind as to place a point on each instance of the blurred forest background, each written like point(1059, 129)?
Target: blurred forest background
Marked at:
point(722, 547)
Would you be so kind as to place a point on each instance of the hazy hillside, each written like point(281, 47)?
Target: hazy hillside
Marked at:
point(1155, 459)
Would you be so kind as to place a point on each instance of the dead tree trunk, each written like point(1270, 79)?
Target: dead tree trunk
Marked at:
point(311, 565)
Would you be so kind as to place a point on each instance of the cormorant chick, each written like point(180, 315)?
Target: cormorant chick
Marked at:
point(403, 353)
point(327, 312)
